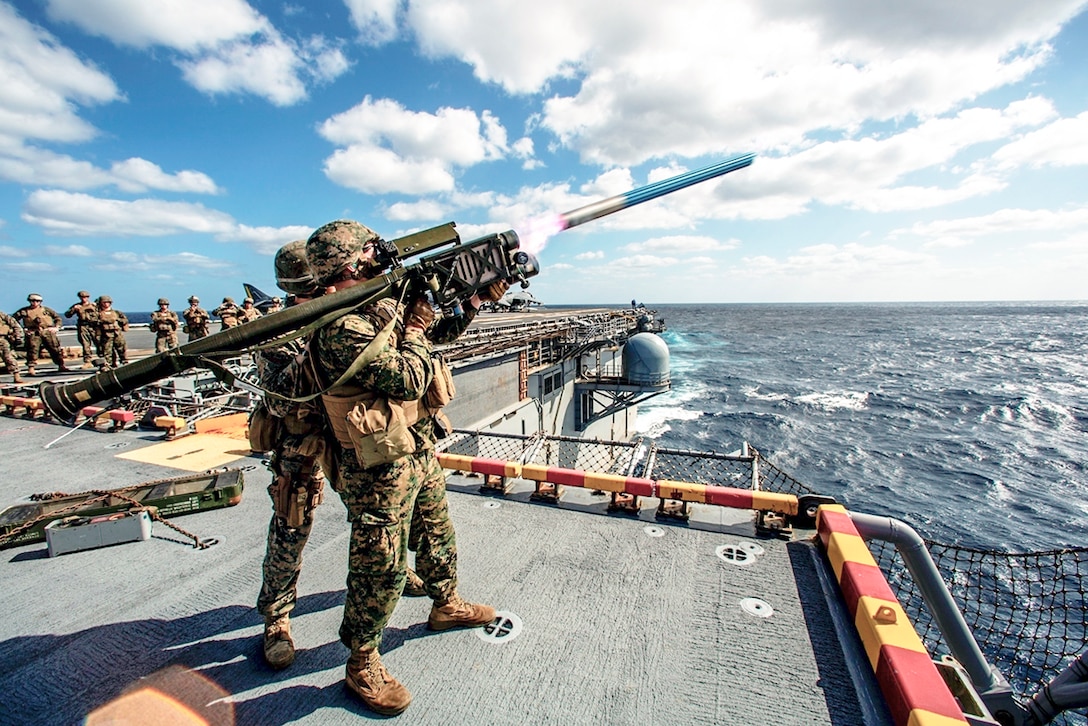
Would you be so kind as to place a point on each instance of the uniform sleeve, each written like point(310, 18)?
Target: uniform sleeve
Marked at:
point(70, 312)
point(57, 319)
point(448, 328)
point(403, 372)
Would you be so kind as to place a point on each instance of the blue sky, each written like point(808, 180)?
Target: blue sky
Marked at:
point(926, 151)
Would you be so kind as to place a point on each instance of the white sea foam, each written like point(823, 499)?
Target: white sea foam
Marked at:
point(836, 400)
point(653, 421)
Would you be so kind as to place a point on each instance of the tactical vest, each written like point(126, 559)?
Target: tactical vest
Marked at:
point(86, 313)
point(197, 318)
point(5, 328)
point(109, 321)
point(164, 322)
point(36, 319)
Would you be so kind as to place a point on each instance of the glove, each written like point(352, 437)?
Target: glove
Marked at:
point(420, 314)
point(495, 291)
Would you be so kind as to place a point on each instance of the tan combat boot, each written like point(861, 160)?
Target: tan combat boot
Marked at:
point(87, 365)
point(459, 614)
point(16, 378)
point(371, 682)
point(30, 371)
point(413, 586)
point(279, 648)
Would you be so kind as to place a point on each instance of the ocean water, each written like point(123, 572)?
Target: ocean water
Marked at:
point(968, 420)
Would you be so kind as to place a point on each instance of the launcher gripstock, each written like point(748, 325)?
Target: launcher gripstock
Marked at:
point(450, 275)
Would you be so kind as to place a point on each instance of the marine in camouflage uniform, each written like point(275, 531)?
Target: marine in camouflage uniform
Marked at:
point(165, 324)
point(10, 333)
point(228, 313)
point(86, 313)
point(386, 502)
point(298, 477)
point(112, 325)
point(196, 320)
point(247, 313)
point(40, 324)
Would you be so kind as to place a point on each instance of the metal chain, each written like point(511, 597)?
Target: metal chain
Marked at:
point(102, 494)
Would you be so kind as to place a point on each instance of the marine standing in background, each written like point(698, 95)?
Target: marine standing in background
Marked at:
point(228, 313)
point(295, 434)
point(164, 322)
point(391, 497)
point(86, 313)
point(248, 313)
point(196, 320)
point(276, 306)
point(10, 333)
point(112, 325)
point(41, 324)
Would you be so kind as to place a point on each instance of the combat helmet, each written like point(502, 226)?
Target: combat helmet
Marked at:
point(105, 299)
point(248, 300)
point(83, 293)
point(228, 300)
point(194, 299)
point(293, 275)
point(33, 297)
point(334, 247)
point(163, 301)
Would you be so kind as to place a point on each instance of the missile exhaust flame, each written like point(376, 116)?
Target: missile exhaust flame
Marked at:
point(539, 230)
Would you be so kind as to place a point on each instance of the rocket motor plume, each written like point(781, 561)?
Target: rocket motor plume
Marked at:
point(539, 230)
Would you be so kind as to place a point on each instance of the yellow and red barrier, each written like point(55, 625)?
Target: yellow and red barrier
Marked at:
point(913, 689)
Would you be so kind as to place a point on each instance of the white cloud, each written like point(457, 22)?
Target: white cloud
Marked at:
point(828, 260)
point(6, 251)
point(1003, 221)
point(376, 20)
point(1062, 143)
point(425, 209)
point(784, 69)
point(224, 46)
point(594, 255)
point(682, 244)
point(68, 251)
point(41, 80)
point(387, 148)
point(645, 261)
point(68, 214)
point(136, 262)
point(32, 165)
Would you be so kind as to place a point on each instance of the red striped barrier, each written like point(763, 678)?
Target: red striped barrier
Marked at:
point(913, 689)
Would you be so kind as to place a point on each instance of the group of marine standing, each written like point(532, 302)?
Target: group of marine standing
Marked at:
point(101, 330)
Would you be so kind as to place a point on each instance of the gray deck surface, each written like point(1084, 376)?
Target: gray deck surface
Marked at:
point(619, 626)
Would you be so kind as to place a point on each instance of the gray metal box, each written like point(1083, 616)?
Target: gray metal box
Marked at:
point(73, 534)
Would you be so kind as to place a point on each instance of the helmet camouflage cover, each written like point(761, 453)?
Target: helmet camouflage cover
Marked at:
point(33, 297)
point(248, 300)
point(293, 275)
point(83, 293)
point(194, 299)
point(105, 299)
point(163, 301)
point(335, 246)
point(228, 300)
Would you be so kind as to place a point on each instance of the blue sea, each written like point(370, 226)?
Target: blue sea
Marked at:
point(966, 420)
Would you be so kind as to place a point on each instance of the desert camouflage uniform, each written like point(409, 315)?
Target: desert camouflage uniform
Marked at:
point(9, 334)
point(248, 313)
point(388, 502)
point(165, 325)
point(38, 324)
point(196, 322)
point(297, 474)
point(86, 325)
point(112, 325)
point(229, 313)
